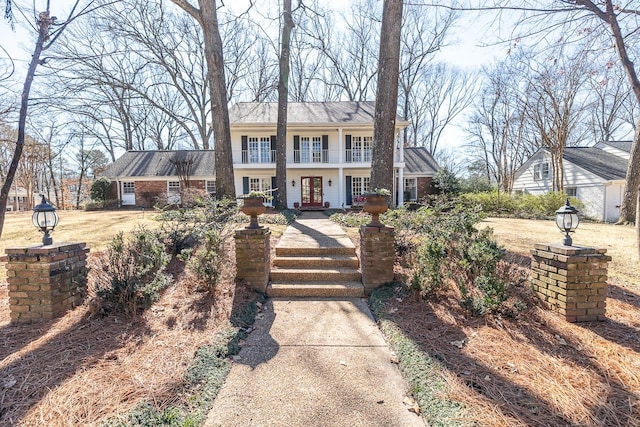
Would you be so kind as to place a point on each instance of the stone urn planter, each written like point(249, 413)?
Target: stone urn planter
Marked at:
point(253, 206)
point(375, 204)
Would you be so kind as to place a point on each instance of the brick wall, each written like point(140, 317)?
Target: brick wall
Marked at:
point(147, 192)
point(571, 280)
point(424, 187)
point(45, 281)
point(253, 257)
point(377, 256)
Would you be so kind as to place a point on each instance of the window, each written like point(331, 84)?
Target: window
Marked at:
point(571, 191)
point(265, 149)
point(359, 186)
point(128, 188)
point(310, 149)
point(361, 148)
point(173, 187)
point(254, 150)
point(541, 171)
point(410, 189)
point(211, 188)
point(260, 184)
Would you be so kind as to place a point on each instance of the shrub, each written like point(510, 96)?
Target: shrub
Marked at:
point(446, 182)
point(101, 190)
point(525, 206)
point(130, 274)
point(207, 261)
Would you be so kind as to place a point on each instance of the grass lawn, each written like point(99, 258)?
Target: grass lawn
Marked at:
point(519, 236)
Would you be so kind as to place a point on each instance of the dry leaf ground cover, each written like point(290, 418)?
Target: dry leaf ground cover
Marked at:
point(536, 369)
point(85, 368)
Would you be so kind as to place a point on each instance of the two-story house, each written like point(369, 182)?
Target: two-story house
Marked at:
point(328, 158)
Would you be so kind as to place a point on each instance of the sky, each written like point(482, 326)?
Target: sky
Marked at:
point(464, 48)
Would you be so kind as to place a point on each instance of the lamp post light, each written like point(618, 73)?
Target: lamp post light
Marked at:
point(45, 218)
point(567, 221)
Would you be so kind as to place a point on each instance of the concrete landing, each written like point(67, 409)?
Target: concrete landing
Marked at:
point(318, 362)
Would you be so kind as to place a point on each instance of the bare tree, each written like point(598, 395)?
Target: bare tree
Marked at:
point(384, 128)
point(554, 106)
point(48, 31)
point(497, 124)
point(206, 15)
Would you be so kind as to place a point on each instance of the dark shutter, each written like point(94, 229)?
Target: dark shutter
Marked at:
point(347, 147)
point(245, 185)
point(273, 148)
point(349, 194)
point(245, 147)
point(296, 148)
point(325, 148)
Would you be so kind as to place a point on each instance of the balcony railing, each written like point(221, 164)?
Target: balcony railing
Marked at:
point(357, 155)
point(354, 155)
point(254, 157)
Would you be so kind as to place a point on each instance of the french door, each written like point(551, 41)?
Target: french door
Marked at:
point(311, 191)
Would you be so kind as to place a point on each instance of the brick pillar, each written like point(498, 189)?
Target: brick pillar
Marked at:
point(45, 281)
point(377, 256)
point(571, 280)
point(253, 257)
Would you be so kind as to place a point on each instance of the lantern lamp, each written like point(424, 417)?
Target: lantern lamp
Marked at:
point(567, 221)
point(293, 182)
point(45, 218)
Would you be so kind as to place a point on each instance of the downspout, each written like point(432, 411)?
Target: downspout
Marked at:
point(118, 193)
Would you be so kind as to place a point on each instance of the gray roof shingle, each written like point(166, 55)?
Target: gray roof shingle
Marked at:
point(159, 163)
point(418, 160)
point(305, 113)
point(599, 162)
point(620, 145)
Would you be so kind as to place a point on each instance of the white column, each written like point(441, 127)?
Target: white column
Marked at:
point(341, 186)
point(340, 151)
point(401, 186)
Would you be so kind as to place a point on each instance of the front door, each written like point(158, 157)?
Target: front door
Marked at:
point(311, 191)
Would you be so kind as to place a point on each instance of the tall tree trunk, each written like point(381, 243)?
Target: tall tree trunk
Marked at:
point(283, 94)
point(207, 17)
point(225, 186)
point(44, 21)
point(384, 127)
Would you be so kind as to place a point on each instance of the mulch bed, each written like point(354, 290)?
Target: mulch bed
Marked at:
point(535, 368)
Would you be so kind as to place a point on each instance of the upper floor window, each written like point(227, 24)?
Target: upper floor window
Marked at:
point(259, 149)
point(361, 148)
point(541, 171)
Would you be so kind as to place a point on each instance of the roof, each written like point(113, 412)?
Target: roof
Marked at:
point(597, 161)
point(418, 160)
point(306, 113)
point(620, 145)
point(160, 163)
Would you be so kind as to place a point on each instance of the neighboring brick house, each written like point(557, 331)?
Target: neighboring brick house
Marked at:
point(328, 158)
point(142, 178)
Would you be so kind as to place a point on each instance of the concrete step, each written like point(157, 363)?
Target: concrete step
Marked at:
point(302, 251)
point(317, 261)
point(293, 275)
point(316, 289)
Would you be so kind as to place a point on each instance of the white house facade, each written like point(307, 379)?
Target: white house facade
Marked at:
point(594, 175)
point(328, 158)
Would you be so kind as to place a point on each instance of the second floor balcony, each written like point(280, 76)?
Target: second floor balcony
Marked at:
point(268, 157)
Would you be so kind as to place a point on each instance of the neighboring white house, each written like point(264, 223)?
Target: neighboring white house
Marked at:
point(328, 158)
point(594, 175)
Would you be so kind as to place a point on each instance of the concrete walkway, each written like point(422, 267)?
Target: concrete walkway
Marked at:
point(314, 230)
point(313, 362)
